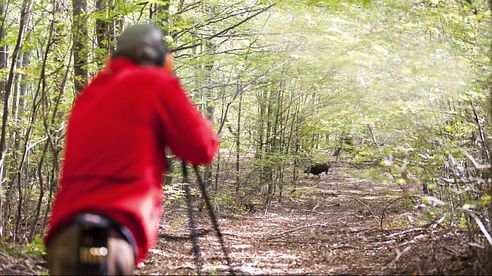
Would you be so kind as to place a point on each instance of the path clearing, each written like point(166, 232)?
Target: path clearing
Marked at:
point(332, 227)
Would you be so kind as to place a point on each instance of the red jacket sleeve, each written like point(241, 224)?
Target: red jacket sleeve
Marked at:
point(186, 131)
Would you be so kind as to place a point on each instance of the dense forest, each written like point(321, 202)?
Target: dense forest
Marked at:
point(390, 92)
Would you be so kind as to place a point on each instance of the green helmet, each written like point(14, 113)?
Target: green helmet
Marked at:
point(143, 44)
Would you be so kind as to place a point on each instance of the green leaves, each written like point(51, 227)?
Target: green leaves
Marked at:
point(327, 3)
point(36, 247)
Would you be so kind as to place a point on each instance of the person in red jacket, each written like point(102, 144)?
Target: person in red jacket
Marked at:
point(109, 199)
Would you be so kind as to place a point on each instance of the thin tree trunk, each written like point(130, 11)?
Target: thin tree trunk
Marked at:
point(489, 264)
point(260, 124)
point(3, 65)
point(238, 141)
point(374, 140)
point(217, 172)
point(102, 29)
point(209, 108)
point(274, 144)
point(80, 43)
point(117, 21)
point(55, 148)
point(47, 125)
point(267, 176)
point(15, 96)
point(162, 13)
point(285, 147)
point(297, 147)
point(24, 86)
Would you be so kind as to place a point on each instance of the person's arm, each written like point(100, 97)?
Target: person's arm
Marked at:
point(186, 131)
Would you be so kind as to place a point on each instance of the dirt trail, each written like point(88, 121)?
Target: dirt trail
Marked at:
point(333, 226)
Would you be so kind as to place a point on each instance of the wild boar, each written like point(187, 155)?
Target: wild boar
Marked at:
point(317, 169)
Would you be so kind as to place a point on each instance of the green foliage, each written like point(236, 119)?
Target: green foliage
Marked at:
point(4, 247)
point(36, 247)
point(326, 3)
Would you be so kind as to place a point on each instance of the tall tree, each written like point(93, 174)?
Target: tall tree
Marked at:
point(3, 65)
point(103, 28)
point(80, 36)
point(160, 14)
point(489, 268)
point(3, 45)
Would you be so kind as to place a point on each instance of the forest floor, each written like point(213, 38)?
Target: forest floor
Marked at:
point(330, 225)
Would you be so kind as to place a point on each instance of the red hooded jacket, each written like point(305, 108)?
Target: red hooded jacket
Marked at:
point(117, 134)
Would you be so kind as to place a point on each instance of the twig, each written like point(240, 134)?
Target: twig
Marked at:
point(184, 47)
point(374, 140)
point(477, 165)
point(399, 254)
point(406, 231)
point(295, 229)
point(341, 247)
point(237, 236)
point(480, 225)
point(200, 233)
point(384, 211)
point(318, 212)
point(369, 209)
point(481, 131)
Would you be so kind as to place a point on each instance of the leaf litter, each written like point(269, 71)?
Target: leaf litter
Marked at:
point(333, 229)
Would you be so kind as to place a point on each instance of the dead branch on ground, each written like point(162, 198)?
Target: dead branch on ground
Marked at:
point(368, 208)
point(295, 230)
point(200, 233)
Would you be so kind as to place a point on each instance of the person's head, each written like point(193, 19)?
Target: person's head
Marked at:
point(144, 44)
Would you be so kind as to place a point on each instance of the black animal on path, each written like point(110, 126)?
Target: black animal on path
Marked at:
point(317, 169)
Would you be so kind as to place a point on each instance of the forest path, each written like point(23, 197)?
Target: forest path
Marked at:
point(332, 226)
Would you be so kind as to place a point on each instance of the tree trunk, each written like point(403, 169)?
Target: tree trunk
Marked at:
point(209, 108)
point(102, 30)
point(118, 21)
point(46, 125)
point(79, 43)
point(296, 141)
point(238, 142)
point(489, 264)
point(55, 148)
point(3, 65)
point(266, 172)
point(3, 49)
point(161, 12)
